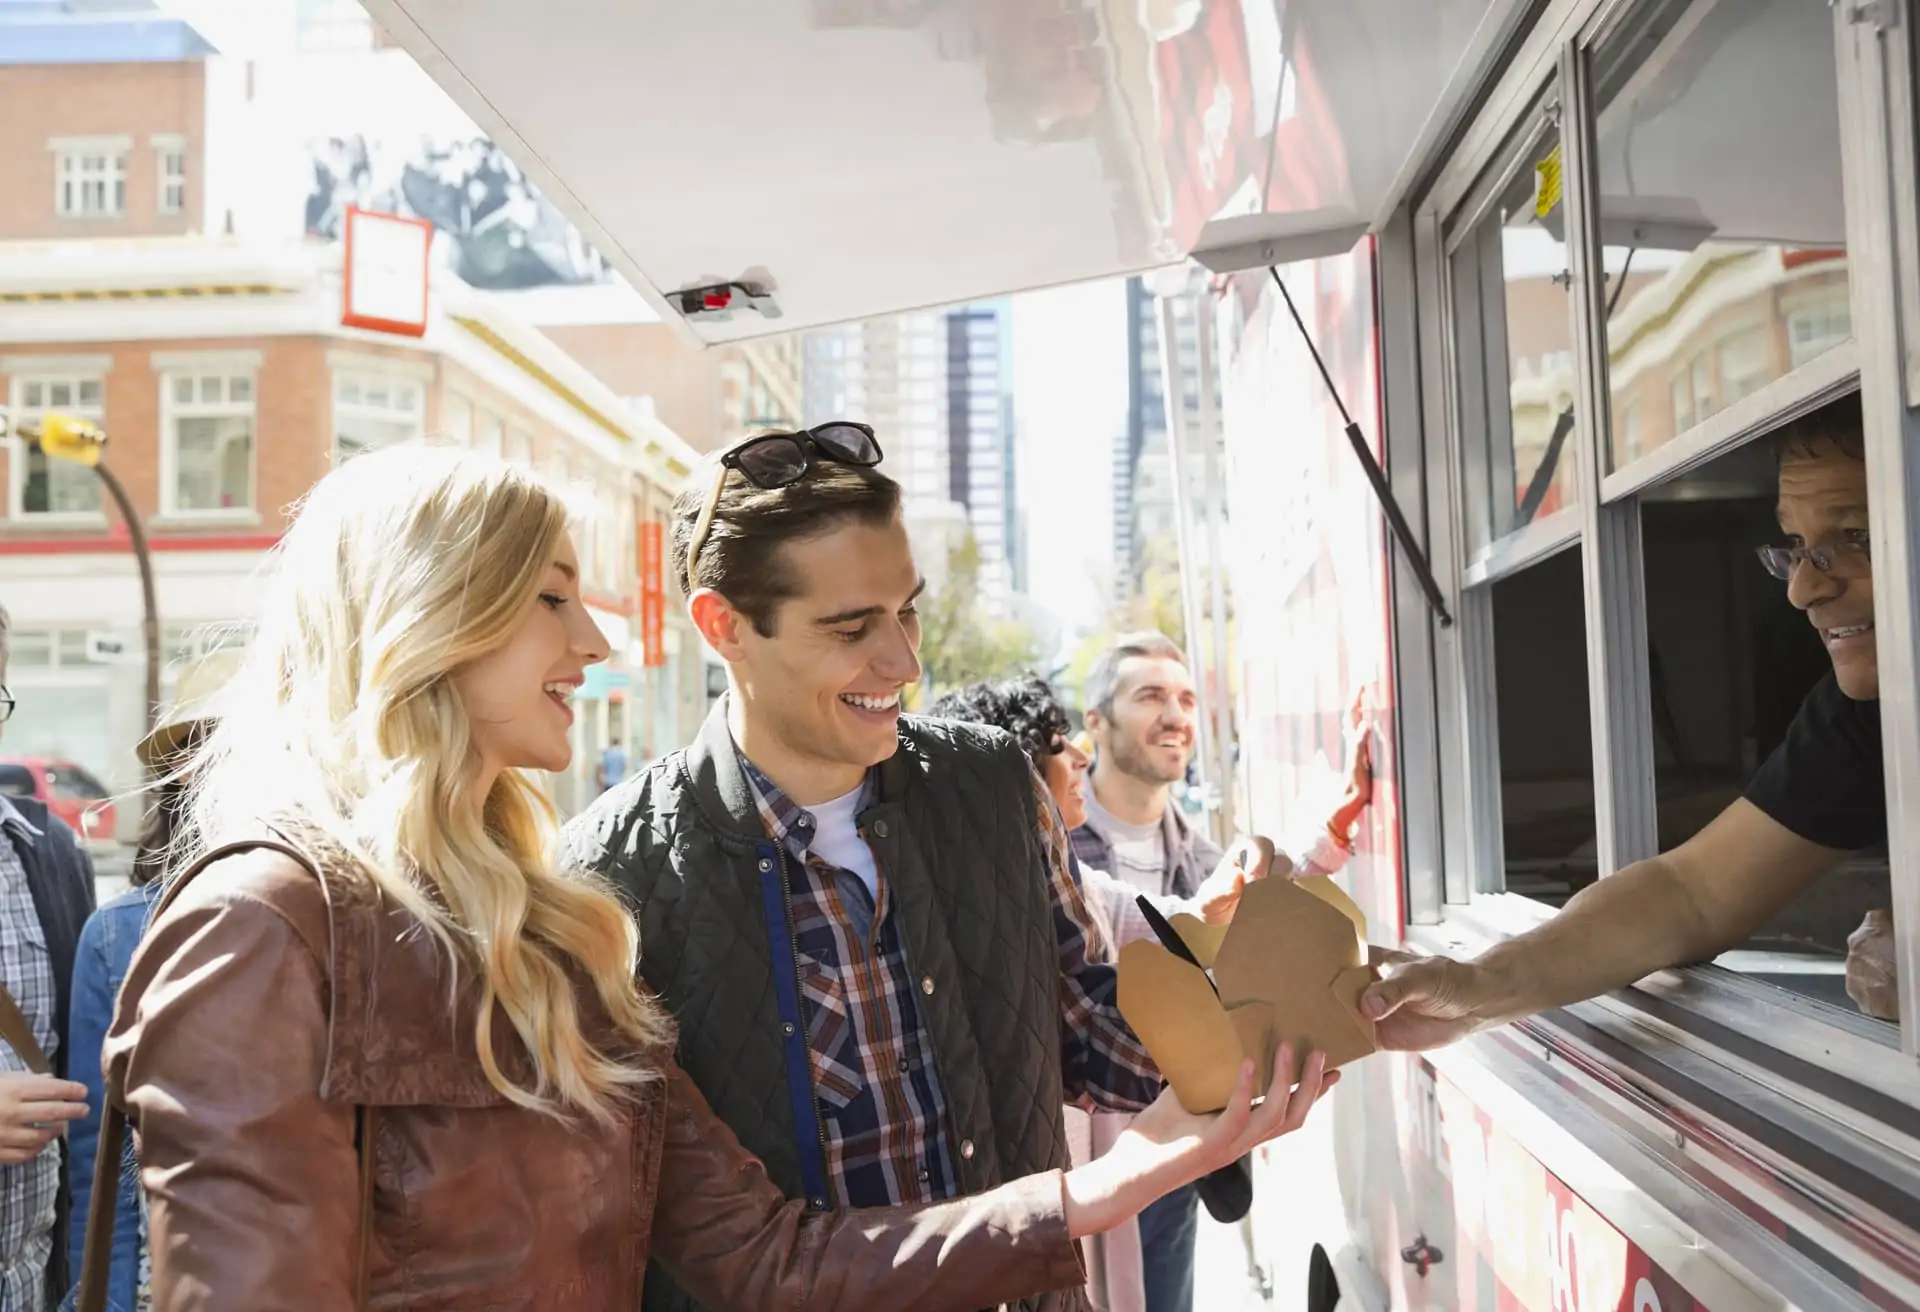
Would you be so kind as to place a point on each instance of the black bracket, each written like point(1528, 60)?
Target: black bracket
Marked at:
point(717, 302)
point(1422, 1256)
point(1382, 491)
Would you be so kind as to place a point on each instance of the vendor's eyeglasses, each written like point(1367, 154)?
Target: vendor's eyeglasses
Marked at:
point(1846, 559)
point(776, 460)
point(6, 704)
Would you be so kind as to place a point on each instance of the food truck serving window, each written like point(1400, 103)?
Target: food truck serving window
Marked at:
point(1618, 606)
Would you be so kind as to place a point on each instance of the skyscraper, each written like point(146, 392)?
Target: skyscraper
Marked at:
point(1143, 484)
point(892, 373)
point(980, 439)
point(937, 388)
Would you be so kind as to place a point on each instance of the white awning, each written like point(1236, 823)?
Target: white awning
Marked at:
point(856, 157)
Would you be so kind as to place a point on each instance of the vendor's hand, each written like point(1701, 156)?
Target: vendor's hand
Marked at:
point(1247, 860)
point(34, 1111)
point(1873, 972)
point(1166, 1146)
point(1427, 1002)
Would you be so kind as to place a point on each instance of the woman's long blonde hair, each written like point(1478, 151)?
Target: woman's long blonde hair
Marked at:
point(402, 567)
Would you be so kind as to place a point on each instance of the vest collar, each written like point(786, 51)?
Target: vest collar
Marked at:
point(725, 795)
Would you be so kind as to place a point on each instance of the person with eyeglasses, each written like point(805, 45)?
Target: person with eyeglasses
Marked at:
point(1820, 796)
point(865, 921)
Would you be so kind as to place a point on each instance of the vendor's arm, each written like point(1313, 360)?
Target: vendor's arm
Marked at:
point(1683, 906)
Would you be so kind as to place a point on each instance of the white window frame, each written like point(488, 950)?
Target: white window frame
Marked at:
point(170, 188)
point(229, 366)
point(453, 405)
point(71, 178)
point(374, 371)
point(489, 432)
point(26, 371)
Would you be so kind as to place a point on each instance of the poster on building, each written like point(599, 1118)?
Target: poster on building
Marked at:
point(492, 226)
point(653, 601)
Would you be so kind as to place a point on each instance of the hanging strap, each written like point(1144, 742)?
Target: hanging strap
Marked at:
point(19, 1035)
point(97, 1262)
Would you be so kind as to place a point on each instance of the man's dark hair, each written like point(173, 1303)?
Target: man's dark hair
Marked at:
point(741, 558)
point(1024, 707)
point(1836, 425)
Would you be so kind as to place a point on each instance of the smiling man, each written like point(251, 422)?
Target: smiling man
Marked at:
point(1819, 796)
point(865, 923)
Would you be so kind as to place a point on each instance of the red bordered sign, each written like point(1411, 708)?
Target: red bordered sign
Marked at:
point(387, 272)
point(653, 603)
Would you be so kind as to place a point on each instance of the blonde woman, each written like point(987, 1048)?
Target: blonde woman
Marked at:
point(383, 1054)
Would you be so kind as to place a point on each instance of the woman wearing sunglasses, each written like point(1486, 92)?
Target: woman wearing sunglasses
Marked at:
point(383, 1053)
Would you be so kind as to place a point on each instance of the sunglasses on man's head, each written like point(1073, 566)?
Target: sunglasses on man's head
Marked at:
point(777, 460)
point(774, 460)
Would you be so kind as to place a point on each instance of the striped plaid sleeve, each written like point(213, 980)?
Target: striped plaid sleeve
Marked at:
point(1103, 1063)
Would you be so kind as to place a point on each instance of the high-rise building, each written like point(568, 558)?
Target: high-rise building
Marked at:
point(980, 464)
point(892, 373)
point(1143, 484)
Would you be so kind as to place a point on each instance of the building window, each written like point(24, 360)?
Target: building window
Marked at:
point(456, 420)
point(170, 155)
point(328, 27)
point(90, 180)
point(55, 487)
point(208, 422)
point(1682, 405)
point(487, 434)
point(1745, 364)
point(371, 411)
point(1818, 328)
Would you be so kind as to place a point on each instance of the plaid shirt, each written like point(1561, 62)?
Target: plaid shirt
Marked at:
point(882, 1110)
point(29, 1190)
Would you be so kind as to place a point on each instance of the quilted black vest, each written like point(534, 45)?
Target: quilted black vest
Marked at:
point(956, 832)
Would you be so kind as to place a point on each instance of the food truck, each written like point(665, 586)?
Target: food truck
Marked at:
point(1555, 269)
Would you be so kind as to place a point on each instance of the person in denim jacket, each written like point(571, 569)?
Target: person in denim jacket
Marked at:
point(100, 964)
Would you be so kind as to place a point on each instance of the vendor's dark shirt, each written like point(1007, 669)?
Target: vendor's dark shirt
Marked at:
point(1826, 782)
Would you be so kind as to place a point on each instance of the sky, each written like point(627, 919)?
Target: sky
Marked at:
point(1069, 399)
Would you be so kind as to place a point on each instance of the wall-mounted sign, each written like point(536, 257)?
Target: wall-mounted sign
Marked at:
point(653, 602)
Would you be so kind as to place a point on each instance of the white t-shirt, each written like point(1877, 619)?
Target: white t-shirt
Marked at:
point(836, 839)
point(1139, 851)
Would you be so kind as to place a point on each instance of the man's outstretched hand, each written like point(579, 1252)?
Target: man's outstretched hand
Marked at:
point(1427, 1002)
point(1873, 971)
point(1247, 860)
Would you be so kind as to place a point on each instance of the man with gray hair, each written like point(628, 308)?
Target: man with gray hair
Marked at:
point(1142, 713)
point(46, 894)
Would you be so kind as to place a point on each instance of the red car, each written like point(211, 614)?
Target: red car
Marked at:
point(68, 790)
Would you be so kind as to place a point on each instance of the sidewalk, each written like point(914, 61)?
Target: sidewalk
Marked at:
point(1296, 1198)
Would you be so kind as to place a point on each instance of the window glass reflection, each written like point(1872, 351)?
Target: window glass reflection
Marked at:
point(1720, 215)
point(1512, 318)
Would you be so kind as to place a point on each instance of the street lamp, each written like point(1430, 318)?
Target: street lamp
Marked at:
point(83, 442)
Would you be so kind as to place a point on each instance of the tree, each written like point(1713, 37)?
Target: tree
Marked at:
point(959, 642)
point(1154, 604)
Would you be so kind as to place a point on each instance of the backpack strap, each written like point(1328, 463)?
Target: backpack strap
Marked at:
point(19, 1035)
point(97, 1262)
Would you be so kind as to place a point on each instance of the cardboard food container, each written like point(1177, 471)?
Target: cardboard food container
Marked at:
point(1292, 965)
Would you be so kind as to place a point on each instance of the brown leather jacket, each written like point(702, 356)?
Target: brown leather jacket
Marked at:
point(266, 1003)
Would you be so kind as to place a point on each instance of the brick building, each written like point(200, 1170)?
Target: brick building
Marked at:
point(160, 272)
point(227, 386)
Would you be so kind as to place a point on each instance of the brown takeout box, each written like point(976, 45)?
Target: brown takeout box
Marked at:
point(1292, 965)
